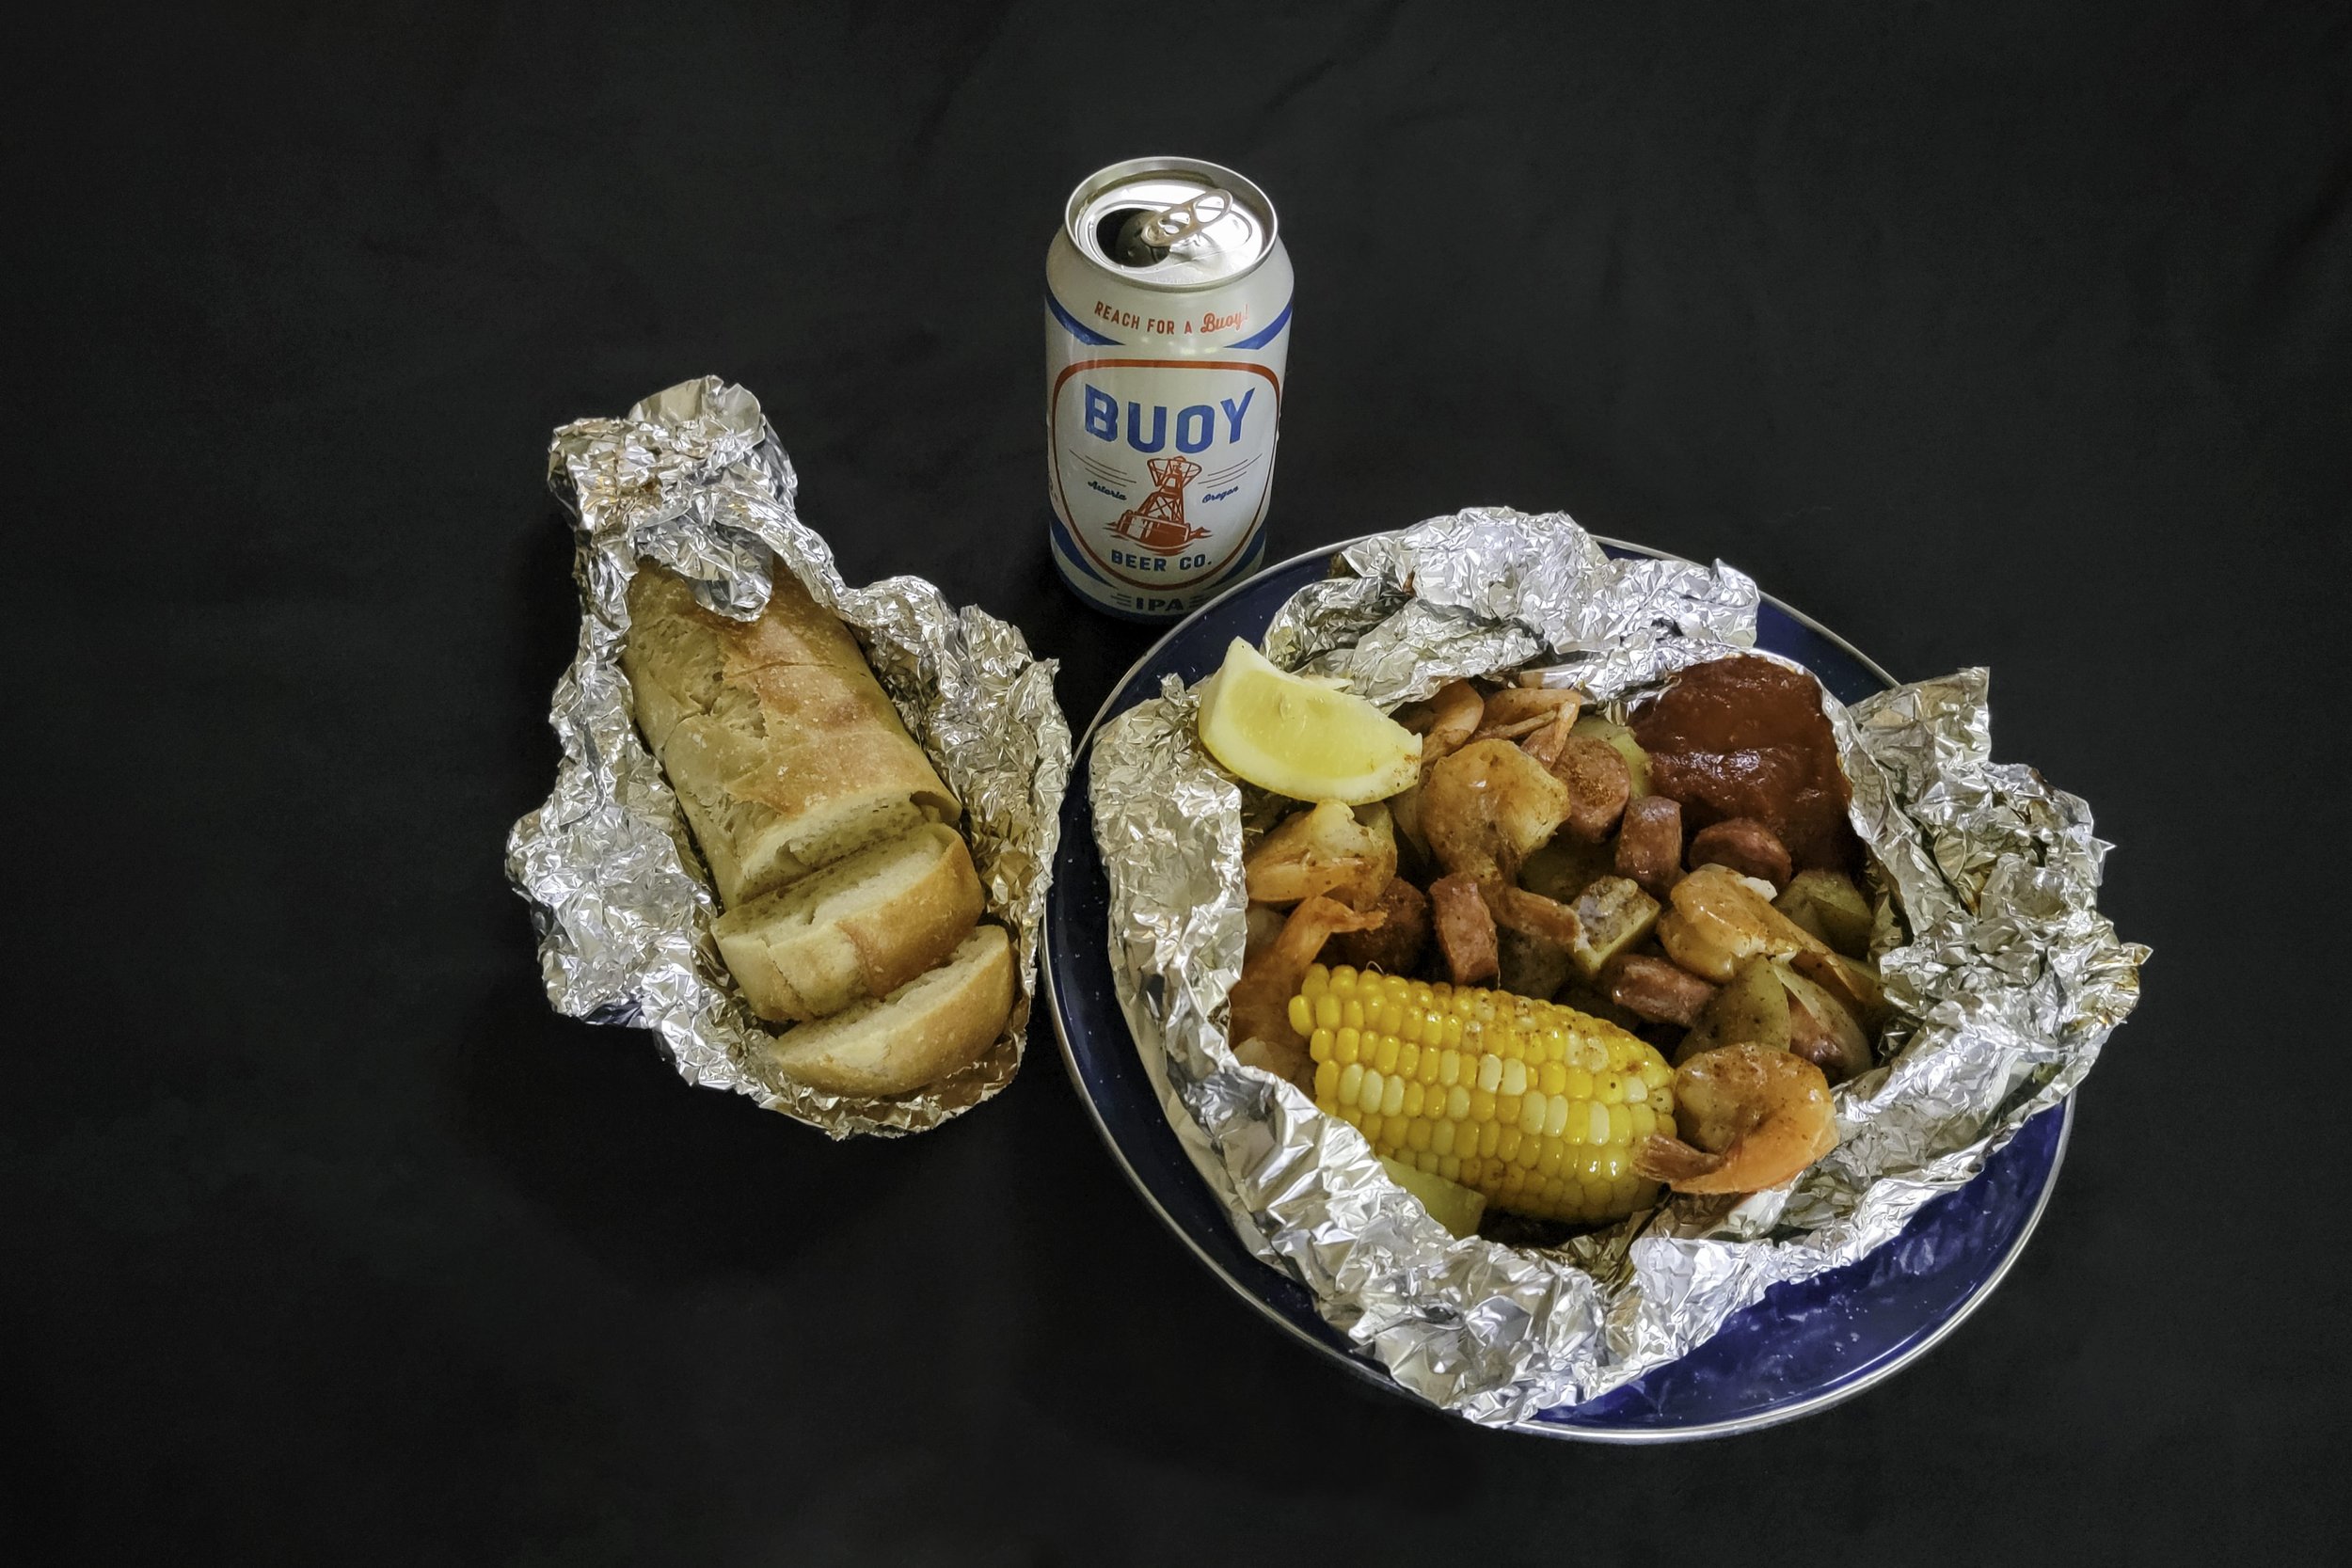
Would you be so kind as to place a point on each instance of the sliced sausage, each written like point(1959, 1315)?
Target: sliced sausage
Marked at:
point(1744, 845)
point(1649, 845)
point(1659, 991)
point(1393, 946)
point(1465, 929)
point(1598, 785)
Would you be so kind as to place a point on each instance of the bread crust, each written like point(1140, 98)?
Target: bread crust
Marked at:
point(933, 1025)
point(783, 750)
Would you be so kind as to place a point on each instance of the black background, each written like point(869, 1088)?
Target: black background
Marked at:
point(2005, 334)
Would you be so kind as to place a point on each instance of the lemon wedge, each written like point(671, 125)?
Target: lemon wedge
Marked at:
point(1457, 1208)
point(1300, 738)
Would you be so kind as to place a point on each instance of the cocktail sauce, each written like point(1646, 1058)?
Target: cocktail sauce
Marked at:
point(1744, 736)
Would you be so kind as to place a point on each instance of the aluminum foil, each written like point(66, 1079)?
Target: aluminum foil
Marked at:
point(2006, 977)
point(694, 479)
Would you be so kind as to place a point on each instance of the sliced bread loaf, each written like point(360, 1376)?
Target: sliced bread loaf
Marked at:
point(861, 928)
point(784, 751)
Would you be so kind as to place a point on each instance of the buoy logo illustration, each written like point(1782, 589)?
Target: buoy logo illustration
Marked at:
point(1158, 525)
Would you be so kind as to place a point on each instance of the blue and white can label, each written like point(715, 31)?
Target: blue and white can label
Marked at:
point(1164, 388)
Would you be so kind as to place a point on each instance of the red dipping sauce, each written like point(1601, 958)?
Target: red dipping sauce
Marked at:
point(1744, 736)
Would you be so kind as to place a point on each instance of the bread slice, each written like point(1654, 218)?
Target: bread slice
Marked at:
point(861, 928)
point(784, 751)
point(938, 1022)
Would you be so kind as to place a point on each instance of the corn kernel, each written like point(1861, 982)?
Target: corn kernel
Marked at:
point(1407, 1059)
point(1346, 1046)
point(1531, 1150)
point(1547, 1162)
point(1326, 1079)
point(1326, 1011)
point(1352, 1013)
point(1409, 1022)
point(1392, 1095)
point(1351, 1081)
point(1450, 1167)
point(1302, 1013)
point(1507, 1141)
point(1481, 1106)
point(1533, 1108)
point(1431, 1066)
point(1665, 1125)
point(1514, 1078)
point(1442, 1138)
point(1615, 1162)
point(1343, 981)
point(1417, 1135)
point(1595, 1122)
point(1579, 1084)
point(1376, 1128)
point(1642, 1121)
point(1471, 1168)
point(1556, 1110)
point(1449, 1068)
point(1451, 1031)
point(1319, 1045)
point(1391, 1016)
point(1551, 1078)
point(1489, 1139)
point(1413, 1095)
point(1368, 1093)
point(1507, 1109)
point(1490, 1073)
point(1656, 1074)
point(1620, 1124)
point(1457, 1104)
point(1318, 980)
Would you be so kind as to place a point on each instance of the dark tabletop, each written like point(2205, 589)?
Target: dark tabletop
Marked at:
point(2010, 334)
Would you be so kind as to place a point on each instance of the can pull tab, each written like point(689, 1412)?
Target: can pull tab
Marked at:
point(1147, 237)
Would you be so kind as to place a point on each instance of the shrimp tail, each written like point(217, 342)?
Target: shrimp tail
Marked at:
point(1659, 1158)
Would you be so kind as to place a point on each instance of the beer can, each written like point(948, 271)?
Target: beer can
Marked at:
point(1167, 317)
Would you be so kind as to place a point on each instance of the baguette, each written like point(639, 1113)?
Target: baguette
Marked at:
point(861, 928)
point(783, 749)
point(938, 1022)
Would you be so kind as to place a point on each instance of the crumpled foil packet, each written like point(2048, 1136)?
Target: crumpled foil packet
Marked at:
point(694, 479)
point(2006, 977)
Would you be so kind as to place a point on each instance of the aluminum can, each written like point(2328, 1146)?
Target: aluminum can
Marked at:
point(1168, 327)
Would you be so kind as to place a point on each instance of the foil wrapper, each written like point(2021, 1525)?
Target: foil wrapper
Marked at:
point(693, 478)
point(2005, 976)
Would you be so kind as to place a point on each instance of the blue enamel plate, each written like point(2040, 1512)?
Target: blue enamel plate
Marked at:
point(1802, 1347)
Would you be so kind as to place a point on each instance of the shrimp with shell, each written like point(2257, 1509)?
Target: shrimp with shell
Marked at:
point(1747, 1116)
point(1257, 1020)
point(1349, 854)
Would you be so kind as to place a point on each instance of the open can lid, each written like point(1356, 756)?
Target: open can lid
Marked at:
point(1170, 223)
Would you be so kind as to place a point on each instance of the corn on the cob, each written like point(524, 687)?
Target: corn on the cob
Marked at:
point(1536, 1105)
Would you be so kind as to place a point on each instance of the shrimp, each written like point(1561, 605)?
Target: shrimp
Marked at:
point(1328, 848)
point(1517, 711)
point(1754, 1118)
point(1445, 721)
point(1257, 1020)
point(1488, 807)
